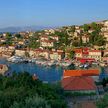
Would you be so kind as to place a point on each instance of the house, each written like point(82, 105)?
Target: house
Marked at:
point(85, 39)
point(41, 53)
point(105, 34)
point(105, 53)
point(67, 54)
point(2, 40)
point(85, 60)
point(20, 52)
point(32, 53)
point(4, 34)
point(85, 52)
point(95, 54)
point(81, 84)
point(79, 81)
point(45, 54)
point(76, 34)
point(47, 43)
point(3, 49)
point(78, 53)
point(90, 31)
point(45, 37)
point(11, 47)
point(57, 55)
point(77, 29)
point(31, 34)
point(104, 58)
point(7, 54)
point(77, 73)
point(81, 53)
point(50, 31)
point(21, 42)
point(54, 38)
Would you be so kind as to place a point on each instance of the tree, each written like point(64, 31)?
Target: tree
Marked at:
point(96, 27)
point(103, 103)
point(86, 27)
point(8, 35)
point(18, 36)
point(33, 43)
point(97, 39)
point(72, 54)
point(32, 102)
point(21, 91)
point(8, 38)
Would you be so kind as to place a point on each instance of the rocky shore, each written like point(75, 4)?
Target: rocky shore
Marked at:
point(3, 69)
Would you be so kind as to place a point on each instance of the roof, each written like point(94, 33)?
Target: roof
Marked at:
point(85, 36)
point(84, 60)
point(84, 50)
point(53, 52)
point(78, 50)
point(73, 73)
point(48, 41)
point(105, 50)
point(94, 50)
point(44, 36)
point(78, 83)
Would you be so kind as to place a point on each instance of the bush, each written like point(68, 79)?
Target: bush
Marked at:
point(19, 89)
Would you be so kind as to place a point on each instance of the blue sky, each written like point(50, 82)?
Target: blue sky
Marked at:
point(51, 12)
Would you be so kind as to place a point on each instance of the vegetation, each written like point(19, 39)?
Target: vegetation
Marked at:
point(8, 38)
point(63, 38)
point(33, 102)
point(33, 42)
point(21, 91)
point(79, 94)
point(103, 103)
point(18, 36)
point(97, 39)
point(86, 27)
point(72, 54)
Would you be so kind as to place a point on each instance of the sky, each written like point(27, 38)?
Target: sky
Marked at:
point(51, 12)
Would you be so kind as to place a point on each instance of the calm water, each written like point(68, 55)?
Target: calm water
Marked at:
point(49, 74)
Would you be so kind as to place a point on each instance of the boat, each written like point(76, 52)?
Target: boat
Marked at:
point(50, 63)
point(16, 59)
point(81, 66)
point(65, 64)
point(86, 65)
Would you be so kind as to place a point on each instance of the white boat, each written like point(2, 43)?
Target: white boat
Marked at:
point(65, 64)
point(81, 66)
point(86, 65)
point(51, 63)
point(16, 59)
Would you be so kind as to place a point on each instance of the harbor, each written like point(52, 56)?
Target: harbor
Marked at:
point(40, 61)
point(45, 73)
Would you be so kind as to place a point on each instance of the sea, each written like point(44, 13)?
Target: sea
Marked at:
point(44, 73)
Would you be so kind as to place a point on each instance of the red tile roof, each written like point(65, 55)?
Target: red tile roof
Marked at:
point(48, 41)
point(78, 83)
point(78, 50)
point(73, 73)
point(44, 36)
point(94, 50)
